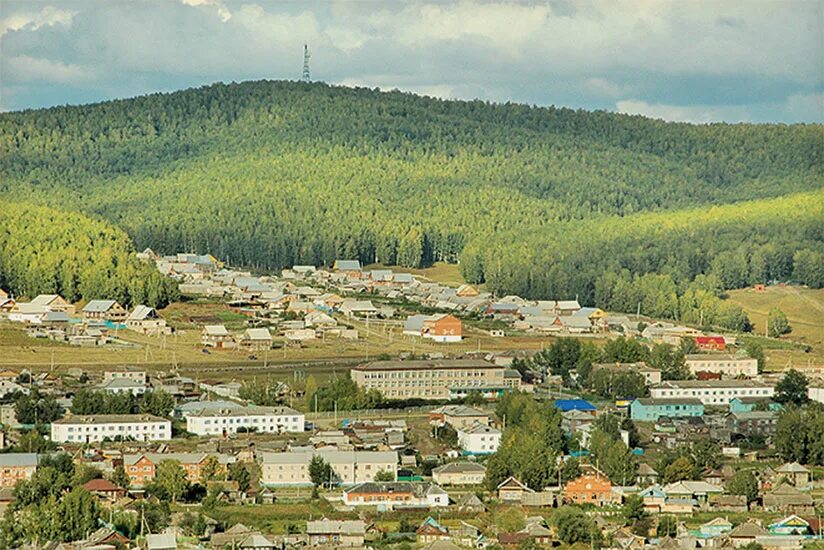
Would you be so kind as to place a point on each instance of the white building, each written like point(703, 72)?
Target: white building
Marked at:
point(348, 467)
point(387, 495)
point(95, 428)
point(10, 386)
point(123, 385)
point(711, 392)
point(257, 419)
point(727, 365)
point(816, 393)
point(479, 439)
point(127, 373)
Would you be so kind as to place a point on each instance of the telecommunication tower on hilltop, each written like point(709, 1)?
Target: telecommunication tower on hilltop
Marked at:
point(307, 77)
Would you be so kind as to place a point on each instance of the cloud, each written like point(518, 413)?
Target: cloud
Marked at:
point(30, 69)
point(680, 60)
point(48, 16)
point(683, 113)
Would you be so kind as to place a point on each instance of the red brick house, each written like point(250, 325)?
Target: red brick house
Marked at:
point(711, 343)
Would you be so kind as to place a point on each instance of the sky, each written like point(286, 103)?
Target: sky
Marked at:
point(686, 60)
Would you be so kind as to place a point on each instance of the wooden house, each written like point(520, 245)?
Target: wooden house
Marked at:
point(106, 310)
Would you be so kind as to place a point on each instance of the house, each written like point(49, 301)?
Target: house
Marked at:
point(593, 488)
point(108, 310)
point(467, 291)
point(710, 343)
point(458, 416)
point(16, 466)
point(336, 533)
point(650, 410)
point(795, 473)
point(567, 307)
point(223, 389)
point(257, 541)
point(358, 308)
point(729, 503)
point(430, 531)
point(715, 527)
point(511, 490)
point(104, 489)
point(350, 267)
point(162, 541)
point(790, 525)
point(26, 312)
point(786, 498)
point(123, 385)
point(442, 328)
point(746, 533)
point(459, 473)
point(216, 336)
point(479, 439)
point(256, 339)
point(390, 495)
point(701, 491)
point(471, 503)
point(654, 499)
point(646, 475)
point(319, 319)
point(53, 302)
point(146, 320)
point(138, 376)
point(565, 405)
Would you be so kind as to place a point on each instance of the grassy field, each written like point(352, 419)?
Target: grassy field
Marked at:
point(804, 308)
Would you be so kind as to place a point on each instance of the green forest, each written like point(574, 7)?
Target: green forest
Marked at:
point(48, 251)
point(542, 202)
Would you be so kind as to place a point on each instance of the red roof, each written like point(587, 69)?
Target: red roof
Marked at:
point(101, 486)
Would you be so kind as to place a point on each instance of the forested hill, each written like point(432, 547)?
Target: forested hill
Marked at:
point(270, 174)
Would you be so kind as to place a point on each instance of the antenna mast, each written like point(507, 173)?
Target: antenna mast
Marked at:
point(306, 75)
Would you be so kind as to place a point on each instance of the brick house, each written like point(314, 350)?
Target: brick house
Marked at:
point(590, 489)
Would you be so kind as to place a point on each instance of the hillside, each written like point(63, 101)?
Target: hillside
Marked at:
point(538, 201)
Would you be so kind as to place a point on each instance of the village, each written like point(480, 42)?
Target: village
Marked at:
point(398, 450)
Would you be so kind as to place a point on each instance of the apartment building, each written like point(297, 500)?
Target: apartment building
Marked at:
point(141, 468)
point(711, 392)
point(95, 428)
point(443, 379)
point(650, 410)
point(138, 376)
point(16, 466)
point(245, 419)
point(726, 365)
point(348, 467)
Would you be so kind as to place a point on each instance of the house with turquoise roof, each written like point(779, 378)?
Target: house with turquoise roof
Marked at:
point(750, 404)
point(790, 525)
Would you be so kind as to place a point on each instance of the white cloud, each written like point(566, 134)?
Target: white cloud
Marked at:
point(31, 69)
point(220, 8)
point(684, 113)
point(46, 17)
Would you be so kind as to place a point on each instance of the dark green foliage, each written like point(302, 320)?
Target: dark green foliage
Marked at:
point(792, 388)
point(799, 434)
point(47, 251)
point(573, 525)
point(276, 173)
point(778, 323)
point(320, 472)
point(157, 402)
point(238, 472)
point(35, 408)
point(743, 483)
point(343, 392)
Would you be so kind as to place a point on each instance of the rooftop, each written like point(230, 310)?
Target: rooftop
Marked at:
point(109, 419)
point(427, 365)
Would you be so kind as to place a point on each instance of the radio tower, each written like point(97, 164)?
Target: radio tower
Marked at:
point(307, 77)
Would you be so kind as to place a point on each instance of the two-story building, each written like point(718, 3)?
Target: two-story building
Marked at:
point(459, 473)
point(246, 419)
point(142, 468)
point(728, 366)
point(106, 310)
point(479, 439)
point(348, 467)
point(711, 392)
point(95, 428)
point(592, 488)
point(650, 410)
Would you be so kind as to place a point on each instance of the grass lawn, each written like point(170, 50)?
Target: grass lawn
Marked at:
point(804, 308)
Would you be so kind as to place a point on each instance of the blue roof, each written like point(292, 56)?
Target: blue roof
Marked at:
point(574, 405)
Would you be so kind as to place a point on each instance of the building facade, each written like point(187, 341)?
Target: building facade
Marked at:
point(429, 379)
point(95, 428)
point(141, 468)
point(650, 410)
point(16, 466)
point(479, 439)
point(245, 419)
point(590, 489)
point(390, 495)
point(729, 366)
point(711, 392)
point(348, 467)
